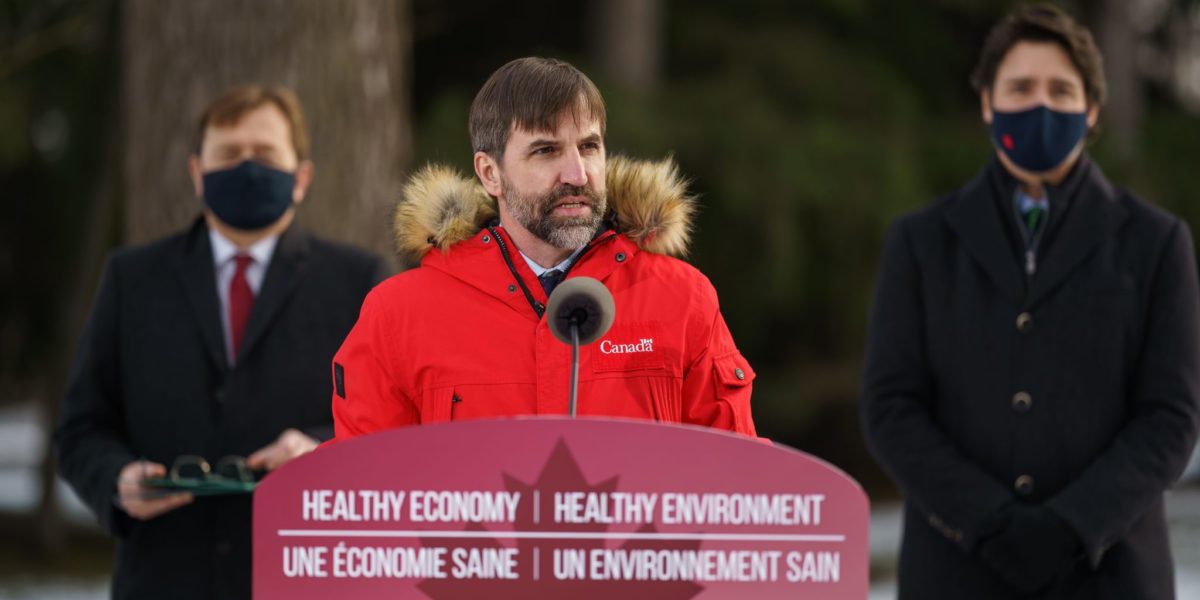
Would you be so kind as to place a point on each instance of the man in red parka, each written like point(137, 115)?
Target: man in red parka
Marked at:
point(464, 335)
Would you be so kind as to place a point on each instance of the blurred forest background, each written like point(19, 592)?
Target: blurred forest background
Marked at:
point(806, 127)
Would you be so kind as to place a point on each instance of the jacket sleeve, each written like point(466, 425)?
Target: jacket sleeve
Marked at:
point(368, 393)
point(718, 382)
point(90, 439)
point(1150, 452)
point(959, 499)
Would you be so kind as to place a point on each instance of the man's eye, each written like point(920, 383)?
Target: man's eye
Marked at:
point(544, 150)
point(591, 146)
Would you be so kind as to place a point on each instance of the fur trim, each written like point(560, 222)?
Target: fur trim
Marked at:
point(439, 207)
point(652, 204)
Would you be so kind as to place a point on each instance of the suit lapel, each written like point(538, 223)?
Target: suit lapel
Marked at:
point(1094, 214)
point(284, 272)
point(973, 217)
point(197, 275)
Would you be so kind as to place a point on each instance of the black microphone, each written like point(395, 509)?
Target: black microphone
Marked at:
point(579, 312)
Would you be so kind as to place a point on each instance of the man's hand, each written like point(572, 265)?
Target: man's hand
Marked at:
point(290, 444)
point(142, 502)
point(1034, 548)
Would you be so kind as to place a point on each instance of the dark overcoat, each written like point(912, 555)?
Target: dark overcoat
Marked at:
point(1074, 387)
point(151, 381)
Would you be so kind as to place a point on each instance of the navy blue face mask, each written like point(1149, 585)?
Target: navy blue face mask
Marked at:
point(249, 196)
point(1040, 138)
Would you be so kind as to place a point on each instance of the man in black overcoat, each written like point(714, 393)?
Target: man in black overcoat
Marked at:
point(1033, 364)
point(212, 342)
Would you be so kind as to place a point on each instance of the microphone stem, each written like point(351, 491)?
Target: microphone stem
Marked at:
point(574, 368)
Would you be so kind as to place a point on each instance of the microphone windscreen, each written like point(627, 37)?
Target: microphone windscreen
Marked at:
point(582, 300)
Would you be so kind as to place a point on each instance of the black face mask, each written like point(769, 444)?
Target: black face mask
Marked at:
point(249, 196)
point(1038, 139)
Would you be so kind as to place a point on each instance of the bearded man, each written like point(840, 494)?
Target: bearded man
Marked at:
point(465, 335)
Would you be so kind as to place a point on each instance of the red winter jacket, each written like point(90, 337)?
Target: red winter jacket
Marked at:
point(457, 338)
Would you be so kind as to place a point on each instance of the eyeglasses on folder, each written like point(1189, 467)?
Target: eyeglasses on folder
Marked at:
point(191, 473)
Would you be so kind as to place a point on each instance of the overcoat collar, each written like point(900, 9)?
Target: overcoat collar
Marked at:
point(198, 277)
point(1087, 213)
point(194, 268)
point(285, 272)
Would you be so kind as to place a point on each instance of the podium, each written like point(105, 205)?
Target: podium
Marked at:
point(540, 507)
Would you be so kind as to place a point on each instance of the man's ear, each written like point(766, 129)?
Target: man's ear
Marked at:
point(985, 105)
point(488, 171)
point(1093, 115)
point(304, 174)
point(197, 175)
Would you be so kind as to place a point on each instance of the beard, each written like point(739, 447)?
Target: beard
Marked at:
point(536, 214)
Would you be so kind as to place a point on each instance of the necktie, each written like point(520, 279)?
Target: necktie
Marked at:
point(550, 279)
point(1033, 217)
point(241, 300)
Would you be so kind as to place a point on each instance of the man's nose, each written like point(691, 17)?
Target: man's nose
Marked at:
point(1043, 97)
point(572, 170)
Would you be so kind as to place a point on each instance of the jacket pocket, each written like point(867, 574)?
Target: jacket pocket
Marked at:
point(733, 376)
point(437, 405)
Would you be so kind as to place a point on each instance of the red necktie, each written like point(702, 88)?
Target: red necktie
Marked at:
point(241, 300)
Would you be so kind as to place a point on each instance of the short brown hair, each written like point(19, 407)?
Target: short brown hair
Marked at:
point(530, 93)
point(1043, 23)
point(229, 108)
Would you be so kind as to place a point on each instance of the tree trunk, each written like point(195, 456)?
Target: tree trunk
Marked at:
point(627, 42)
point(1126, 109)
point(347, 61)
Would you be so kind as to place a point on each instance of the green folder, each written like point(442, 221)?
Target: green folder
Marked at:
point(164, 486)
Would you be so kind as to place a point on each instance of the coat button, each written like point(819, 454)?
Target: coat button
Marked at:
point(1024, 322)
point(1022, 402)
point(219, 395)
point(620, 257)
point(739, 373)
point(512, 288)
point(1023, 485)
point(487, 239)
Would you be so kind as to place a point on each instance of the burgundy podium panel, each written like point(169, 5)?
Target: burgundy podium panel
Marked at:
point(555, 508)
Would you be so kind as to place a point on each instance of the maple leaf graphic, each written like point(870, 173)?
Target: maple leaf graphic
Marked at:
point(560, 473)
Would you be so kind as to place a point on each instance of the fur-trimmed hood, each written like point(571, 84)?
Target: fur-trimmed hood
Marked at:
point(439, 207)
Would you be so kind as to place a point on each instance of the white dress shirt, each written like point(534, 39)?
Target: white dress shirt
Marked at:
point(224, 255)
point(562, 266)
